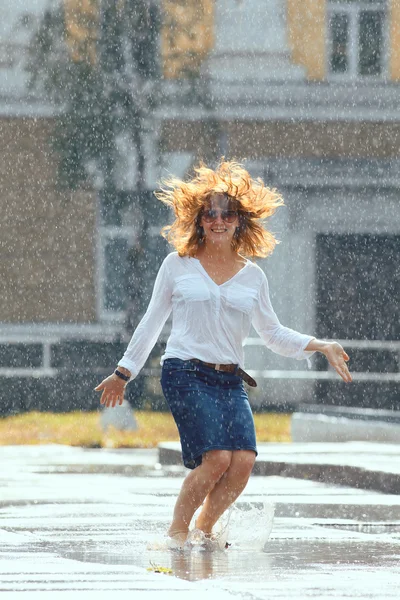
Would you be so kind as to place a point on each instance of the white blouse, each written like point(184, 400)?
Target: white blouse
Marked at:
point(209, 321)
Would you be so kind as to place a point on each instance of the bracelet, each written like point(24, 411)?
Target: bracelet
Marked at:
point(121, 375)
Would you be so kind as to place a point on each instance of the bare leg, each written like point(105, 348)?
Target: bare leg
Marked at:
point(227, 489)
point(195, 488)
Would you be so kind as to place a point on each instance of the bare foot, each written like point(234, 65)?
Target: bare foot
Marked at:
point(178, 536)
point(208, 534)
point(204, 541)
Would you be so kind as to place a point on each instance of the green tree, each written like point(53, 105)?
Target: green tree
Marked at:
point(97, 62)
point(101, 72)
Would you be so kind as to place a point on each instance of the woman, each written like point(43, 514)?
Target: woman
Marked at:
point(215, 294)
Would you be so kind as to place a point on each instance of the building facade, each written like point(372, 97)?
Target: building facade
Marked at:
point(306, 94)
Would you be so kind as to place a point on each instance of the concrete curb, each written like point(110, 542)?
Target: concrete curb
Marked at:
point(302, 466)
point(346, 475)
point(314, 423)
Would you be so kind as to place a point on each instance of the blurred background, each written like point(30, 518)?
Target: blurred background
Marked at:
point(101, 99)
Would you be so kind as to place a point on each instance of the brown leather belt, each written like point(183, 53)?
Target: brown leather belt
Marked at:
point(229, 369)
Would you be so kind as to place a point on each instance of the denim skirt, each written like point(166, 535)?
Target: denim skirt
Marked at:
point(211, 409)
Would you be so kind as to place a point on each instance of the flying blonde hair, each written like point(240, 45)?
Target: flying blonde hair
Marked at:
point(250, 197)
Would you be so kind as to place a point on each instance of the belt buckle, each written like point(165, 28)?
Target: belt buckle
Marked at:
point(217, 366)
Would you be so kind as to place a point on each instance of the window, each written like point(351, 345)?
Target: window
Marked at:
point(116, 235)
point(358, 296)
point(115, 243)
point(129, 252)
point(357, 38)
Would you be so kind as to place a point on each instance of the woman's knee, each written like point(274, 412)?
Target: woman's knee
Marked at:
point(243, 462)
point(217, 461)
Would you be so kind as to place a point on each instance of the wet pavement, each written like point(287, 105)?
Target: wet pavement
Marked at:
point(77, 522)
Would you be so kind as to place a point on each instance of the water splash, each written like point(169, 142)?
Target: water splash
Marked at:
point(246, 526)
point(250, 525)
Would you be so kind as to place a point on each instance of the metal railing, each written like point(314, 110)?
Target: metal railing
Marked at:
point(47, 339)
point(46, 370)
point(330, 373)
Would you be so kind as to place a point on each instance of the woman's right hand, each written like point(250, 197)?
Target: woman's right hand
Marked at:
point(113, 388)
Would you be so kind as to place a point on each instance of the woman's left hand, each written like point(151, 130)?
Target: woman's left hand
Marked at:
point(337, 358)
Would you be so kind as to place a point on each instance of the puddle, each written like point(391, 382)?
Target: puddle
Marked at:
point(246, 528)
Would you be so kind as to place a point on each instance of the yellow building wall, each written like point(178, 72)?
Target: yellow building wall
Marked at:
point(307, 30)
point(82, 28)
point(186, 37)
point(394, 28)
point(307, 35)
point(47, 236)
point(187, 34)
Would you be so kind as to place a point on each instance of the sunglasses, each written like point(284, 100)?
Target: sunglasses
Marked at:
point(226, 215)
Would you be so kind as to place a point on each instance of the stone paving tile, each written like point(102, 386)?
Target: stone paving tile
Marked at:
point(76, 535)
